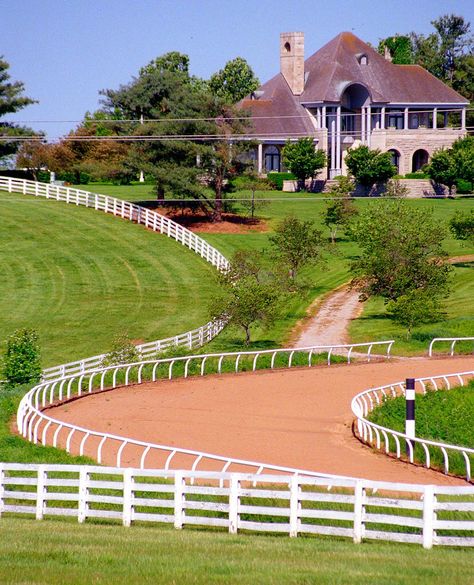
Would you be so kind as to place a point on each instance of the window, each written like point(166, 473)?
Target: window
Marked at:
point(395, 158)
point(363, 60)
point(420, 158)
point(287, 47)
point(272, 159)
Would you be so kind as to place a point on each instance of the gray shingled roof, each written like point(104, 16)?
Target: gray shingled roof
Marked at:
point(329, 71)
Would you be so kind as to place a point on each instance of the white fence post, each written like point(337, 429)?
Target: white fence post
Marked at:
point(83, 494)
point(179, 499)
point(2, 489)
point(40, 492)
point(359, 494)
point(234, 502)
point(429, 515)
point(127, 497)
point(294, 505)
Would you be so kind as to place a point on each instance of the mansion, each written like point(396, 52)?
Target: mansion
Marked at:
point(346, 94)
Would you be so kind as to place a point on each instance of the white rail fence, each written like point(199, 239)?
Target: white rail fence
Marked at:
point(150, 219)
point(392, 441)
point(295, 505)
point(35, 425)
point(452, 340)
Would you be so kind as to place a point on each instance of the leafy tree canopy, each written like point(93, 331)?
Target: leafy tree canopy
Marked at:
point(370, 166)
point(235, 81)
point(401, 251)
point(302, 159)
point(11, 100)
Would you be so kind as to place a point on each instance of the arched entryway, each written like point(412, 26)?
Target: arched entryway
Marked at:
point(419, 160)
point(272, 159)
point(395, 155)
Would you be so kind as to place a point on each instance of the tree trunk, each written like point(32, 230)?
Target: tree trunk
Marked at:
point(247, 335)
point(217, 215)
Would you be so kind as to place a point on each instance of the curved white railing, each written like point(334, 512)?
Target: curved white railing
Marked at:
point(452, 340)
point(150, 219)
point(379, 436)
point(35, 425)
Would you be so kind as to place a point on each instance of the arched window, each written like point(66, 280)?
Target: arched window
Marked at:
point(395, 158)
point(287, 47)
point(272, 159)
point(363, 60)
point(420, 158)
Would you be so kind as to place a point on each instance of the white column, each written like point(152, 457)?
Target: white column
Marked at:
point(435, 121)
point(338, 140)
point(333, 147)
point(318, 118)
point(259, 158)
point(369, 124)
point(463, 119)
point(362, 125)
point(382, 119)
point(324, 125)
point(405, 119)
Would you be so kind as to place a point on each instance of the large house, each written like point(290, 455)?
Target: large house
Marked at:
point(347, 94)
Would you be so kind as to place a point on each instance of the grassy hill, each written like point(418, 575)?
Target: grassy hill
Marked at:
point(81, 277)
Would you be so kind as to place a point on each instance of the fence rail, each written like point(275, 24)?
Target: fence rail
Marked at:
point(35, 425)
point(150, 219)
point(452, 340)
point(293, 505)
point(393, 441)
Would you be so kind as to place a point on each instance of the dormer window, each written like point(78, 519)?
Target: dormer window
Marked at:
point(363, 60)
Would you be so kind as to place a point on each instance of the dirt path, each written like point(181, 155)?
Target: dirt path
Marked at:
point(298, 418)
point(330, 324)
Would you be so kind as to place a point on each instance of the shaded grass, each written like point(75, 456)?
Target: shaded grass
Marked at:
point(80, 278)
point(64, 552)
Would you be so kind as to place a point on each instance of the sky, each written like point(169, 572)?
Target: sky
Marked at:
point(66, 51)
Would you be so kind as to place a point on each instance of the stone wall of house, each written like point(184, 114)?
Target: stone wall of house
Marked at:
point(417, 188)
point(407, 142)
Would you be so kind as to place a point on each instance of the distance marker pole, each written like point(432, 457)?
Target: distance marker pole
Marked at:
point(410, 410)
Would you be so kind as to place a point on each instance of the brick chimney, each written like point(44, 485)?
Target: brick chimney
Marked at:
point(292, 60)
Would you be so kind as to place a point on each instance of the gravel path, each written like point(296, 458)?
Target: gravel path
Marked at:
point(331, 323)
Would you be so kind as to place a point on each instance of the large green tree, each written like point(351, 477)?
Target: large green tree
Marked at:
point(12, 100)
point(303, 160)
point(401, 251)
point(235, 81)
point(370, 166)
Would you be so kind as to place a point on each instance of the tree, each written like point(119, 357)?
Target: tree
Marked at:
point(251, 182)
point(234, 82)
point(22, 363)
point(11, 100)
point(415, 308)
point(296, 244)
point(340, 209)
point(401, 251)
point(247, 295)
point(443, 168)
point(399, 47)
point(303, 160)
point(462, 226)
point(369, 166)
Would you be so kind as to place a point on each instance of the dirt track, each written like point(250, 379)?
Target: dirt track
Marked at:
point(299, 418)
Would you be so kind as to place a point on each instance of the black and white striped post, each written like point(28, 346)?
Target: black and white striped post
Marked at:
point(410, 410)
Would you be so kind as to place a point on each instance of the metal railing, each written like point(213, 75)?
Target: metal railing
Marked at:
point(150, 219)
point(357, 509)
point(393, 441)
point(36, 426)
point(452, 340)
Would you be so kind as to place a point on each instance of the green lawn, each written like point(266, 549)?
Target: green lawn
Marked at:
point(57, 552)
point(373, 324)
point(81, 277)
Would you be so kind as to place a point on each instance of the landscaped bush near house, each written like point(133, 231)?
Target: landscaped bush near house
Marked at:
point(416, 175)
point(464, 187)
point(278, 178)
point(21, 363)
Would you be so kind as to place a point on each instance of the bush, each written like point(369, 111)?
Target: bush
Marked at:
point(277, 179)
point(417, 175)
point(21, 364)
point(123, 352)
point(464, 187)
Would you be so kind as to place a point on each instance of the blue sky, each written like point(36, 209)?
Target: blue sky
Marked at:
point(65, 51)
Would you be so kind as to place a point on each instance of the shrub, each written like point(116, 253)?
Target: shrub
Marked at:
point(464, 187)
point(21, 364)
point(277, 179)
point(123, 352)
